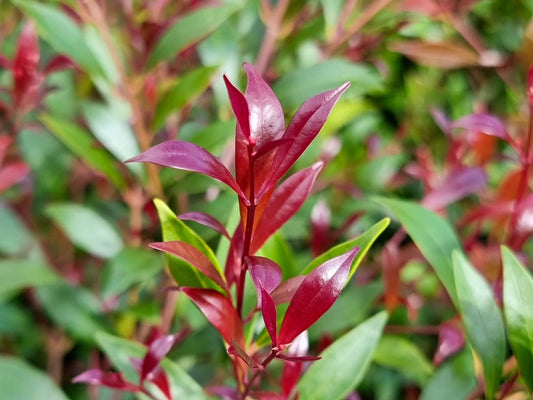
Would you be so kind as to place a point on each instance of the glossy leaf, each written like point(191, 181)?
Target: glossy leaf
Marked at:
point(433, 236)
point(240, 107)
point(265, 273)
point(270, 316)
point(517, 306)
point(344, 364)
point(18, 274)
point(86, 229)
point(113, 380)
point(482, 319)
point(194, 257)
point(188, 157)
point(189, 30)
point(20, 380)
point(285, 291)
point(206, 220)
point(286, 200)
point(219, 311)
point(188, 88)
point(157, 350)
point(315, 295)
point(83, 146)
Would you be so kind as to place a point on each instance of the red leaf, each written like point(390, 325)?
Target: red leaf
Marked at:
point(5, 142)
point(161, 381)
point(193, 256)
point(451, 340)
point(486, 123)
point(303, 128)
point(233, 261)
point(5, 62)
point(265, 273)
point(293, 370)
point(108, 379)
point(285, 291)
point(25, 65)
point(270, 316)
point(225, 392)
point(58, 63)
point(219, 311)
point(284, 203)
point(206, 220)
point(188, 157)
point(315, 296)
point(12, 173)
point(240, 107)
point(320, 234)
point(156, 351)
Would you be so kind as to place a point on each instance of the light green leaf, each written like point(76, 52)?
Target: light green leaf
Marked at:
point(482, 319)
point(186, 90)
point(174, 229)
point(332, 10)
point(18, 274)
point(518, 309)
point(82, 145)
point(19, 380)
point(364, 241)
point(16, 240)
point(344, 363)
point(402, 355)
point(62, 33)
point(120, 351)
point(455, 379)
point(298, 85)
point(190, 29)
point(130, 266)
point(433, 236)
point(86, 229)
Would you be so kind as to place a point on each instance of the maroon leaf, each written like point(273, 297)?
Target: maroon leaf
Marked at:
point(58, 63)
point(12, 173)
point(451, 340)
point(285, 291)
point(156, 351)
point(240, 107)
point(303, 128)
point(317, 293)
point(293, 370)
point(206, 220)
point(219, 311)
point(193, 256)
point(225, 392)
point(188, 157)
point(113, 380)
point(25, 65)
point(265, 273)
point(161, 381)
point(284, 203)
point(320, 222)
point(270, 316)
point(486, 123)
point(233, 261)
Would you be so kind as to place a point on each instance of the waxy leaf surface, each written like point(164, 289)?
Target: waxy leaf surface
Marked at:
point(158, 349)
point(265, 273)
point(270, 316)
point(206, 220)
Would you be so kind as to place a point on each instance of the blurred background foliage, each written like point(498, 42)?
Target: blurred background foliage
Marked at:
point(104, 80)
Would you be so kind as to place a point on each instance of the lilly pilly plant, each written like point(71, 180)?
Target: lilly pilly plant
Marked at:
point(265, 150)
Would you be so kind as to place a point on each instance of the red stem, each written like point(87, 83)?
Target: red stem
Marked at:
point(273, 353)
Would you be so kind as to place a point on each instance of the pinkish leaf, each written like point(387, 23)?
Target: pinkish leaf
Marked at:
point(303, 128)
point(486, 123)
point(160, 379)
point(219, 311)
point(206, 220)
point(317, 293)
point(265, 148)
point(240, 107)
point(284, 203)
point(320, 222)
point(233, 260)
point(108, 379)
point(451, 340)
point(270, 316)
point(262, 395)
point(5, 143)
point(457, 185)
point(25, 65)
point(293, 370)
point(285, 291)
point(58, 63)
point(156, 351)
point(12, 173)
point(5, 62)
point(188, 157)
point(225, 392)
point(193, 256)
point(265, 273)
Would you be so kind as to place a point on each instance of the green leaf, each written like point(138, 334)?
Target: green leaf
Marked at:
point(186, 90)
point(62, 34)
point(298, 85)
point(18, 274)
point(86, 229)
point(120, 351)
point(82, 145)
point(518, 310)
point(16, 240)
point(402, 355)
point(364, 241)
point(344, 363)
point(190, 29)
point(482, 319)
point(73, 308)
point(174, 229)
point(19, 380)
point(129, 267)
point(332, 10)
point(455, 379)
point(433, 236)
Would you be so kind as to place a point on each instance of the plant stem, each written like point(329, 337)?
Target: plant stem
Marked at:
point(273, 353)
point(273, 19)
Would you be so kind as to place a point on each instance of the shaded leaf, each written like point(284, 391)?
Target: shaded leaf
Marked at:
point(18, 274)
point(265, 273)
point(353, 351)
point(206, 220)
point(113, 380)
point(285, 291)
point(482, 319)
point(157, 350)
point(517, 306)
point(485, 123)
point(11, 173)
point(270, 316)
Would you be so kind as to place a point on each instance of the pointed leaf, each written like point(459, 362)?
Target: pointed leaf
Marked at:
point(353, 352)
point(113, 380)
point(188, 157)
point(517, 305)
point(161, 381)
point(240, 107)
point(157, 350)
point(265, 273)
point(285, 291)
point(12, 173)
point(193, 256)
point(16, 274)
point(482, 319)
point(486, 123)
point(206, 220)
point(25, 65)
point(315, 296)
point(219, 312)
point(270, 316)
point(286, 200)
